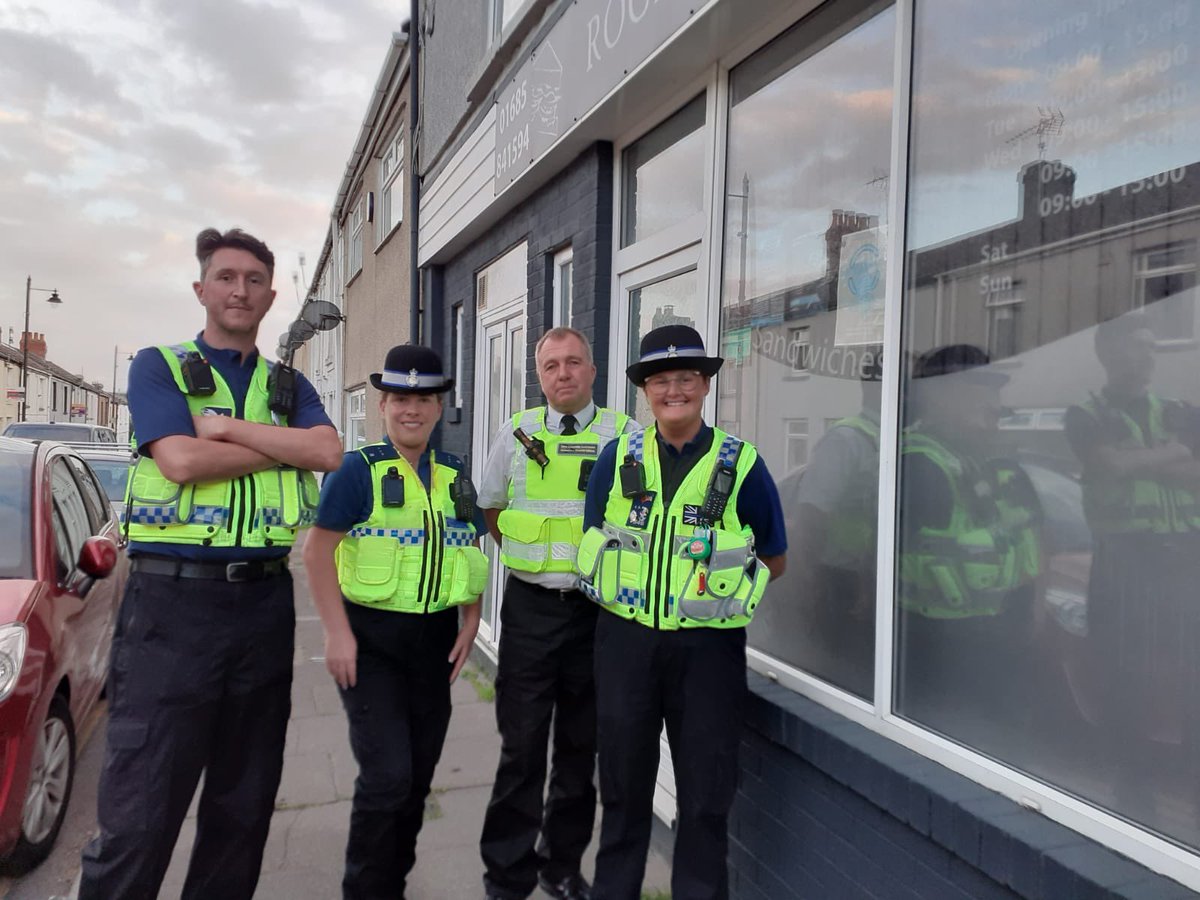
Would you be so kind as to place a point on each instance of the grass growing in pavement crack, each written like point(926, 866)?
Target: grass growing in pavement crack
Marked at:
point(482, 684)
point(655, 895)
point(433, 808)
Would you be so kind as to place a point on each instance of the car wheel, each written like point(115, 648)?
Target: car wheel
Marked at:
point(51, 777)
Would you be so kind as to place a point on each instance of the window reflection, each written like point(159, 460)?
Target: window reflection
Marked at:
point(802, 319)
point(664, 175)
point(1049, 536)
point(671, 301)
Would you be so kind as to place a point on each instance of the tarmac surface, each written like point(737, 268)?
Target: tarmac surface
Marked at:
point(303, 859)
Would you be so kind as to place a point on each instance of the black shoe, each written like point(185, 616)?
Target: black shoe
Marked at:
point(573, 887)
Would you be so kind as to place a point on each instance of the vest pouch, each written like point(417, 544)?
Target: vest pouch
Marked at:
point(465, 568)
point(526, 538)
point(372, 563)
point(615, 561)
point(728, 580)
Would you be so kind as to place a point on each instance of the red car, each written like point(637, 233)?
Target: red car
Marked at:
point(61, 577)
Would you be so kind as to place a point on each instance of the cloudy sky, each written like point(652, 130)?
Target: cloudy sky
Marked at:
point(126, 126)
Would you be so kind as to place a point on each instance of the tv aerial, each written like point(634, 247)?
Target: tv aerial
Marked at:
point(1049, 124)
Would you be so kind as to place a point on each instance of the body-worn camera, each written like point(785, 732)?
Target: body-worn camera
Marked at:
point(392, 488)
point(633, 477)
point(281, 386)
point(197, 375)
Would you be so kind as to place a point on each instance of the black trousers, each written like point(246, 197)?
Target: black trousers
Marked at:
point(544, 678)
point(695, 682)
point(399, 710)
point(200, 682)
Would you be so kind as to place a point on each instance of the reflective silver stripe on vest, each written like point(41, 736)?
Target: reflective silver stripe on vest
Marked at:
point(537, 552)
point(559, 509)
point(403, 535)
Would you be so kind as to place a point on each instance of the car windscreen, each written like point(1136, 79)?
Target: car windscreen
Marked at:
point(46, 431)
point(113, 475)
point(16, 557)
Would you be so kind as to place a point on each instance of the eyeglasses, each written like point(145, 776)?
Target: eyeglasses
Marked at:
point(685, 381)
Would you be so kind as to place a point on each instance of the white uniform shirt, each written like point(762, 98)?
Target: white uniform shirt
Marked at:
point(497, 473)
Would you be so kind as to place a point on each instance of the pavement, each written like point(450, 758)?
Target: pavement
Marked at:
point(303, 859)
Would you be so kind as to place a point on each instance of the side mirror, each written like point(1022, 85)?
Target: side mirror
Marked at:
point(98, 557)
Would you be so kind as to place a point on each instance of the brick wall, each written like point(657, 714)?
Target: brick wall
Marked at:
point(828, 809)
point(574, 207)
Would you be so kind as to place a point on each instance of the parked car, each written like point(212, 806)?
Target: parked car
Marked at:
point(112, 466)
point(61, 578)
point(67, 432)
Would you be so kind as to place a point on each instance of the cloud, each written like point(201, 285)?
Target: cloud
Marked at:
point(126, 126)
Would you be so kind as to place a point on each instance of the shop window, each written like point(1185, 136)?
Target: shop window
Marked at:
point(1045, 558)
point(668, 301)
point(663, 175)
point(804, 231)
point(1165, 286)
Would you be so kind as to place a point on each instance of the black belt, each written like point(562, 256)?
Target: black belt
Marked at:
point(247, 570)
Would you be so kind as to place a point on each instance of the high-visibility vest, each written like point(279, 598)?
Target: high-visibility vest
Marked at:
point(853, 524)
point(989, 547)
point(416, 557)
point(543, 522)
point(262, 509)
point(665, 567)
point(1139, 504)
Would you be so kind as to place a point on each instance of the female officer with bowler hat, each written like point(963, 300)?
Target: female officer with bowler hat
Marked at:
point(683, 529)
point(394, 551)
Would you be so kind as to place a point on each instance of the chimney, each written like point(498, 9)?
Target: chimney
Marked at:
point(36, 341)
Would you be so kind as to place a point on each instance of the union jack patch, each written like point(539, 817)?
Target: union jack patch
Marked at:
point(691, 515)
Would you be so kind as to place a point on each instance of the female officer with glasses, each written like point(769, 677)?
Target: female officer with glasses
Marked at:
point(683, 529)
point(393, 552)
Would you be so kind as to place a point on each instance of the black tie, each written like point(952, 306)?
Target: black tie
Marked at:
point(569, 424)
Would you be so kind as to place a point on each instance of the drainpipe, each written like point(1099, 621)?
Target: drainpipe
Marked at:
point(414, 193)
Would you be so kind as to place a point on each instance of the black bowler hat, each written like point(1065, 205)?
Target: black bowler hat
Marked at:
point(410, 369)
point(672, 347)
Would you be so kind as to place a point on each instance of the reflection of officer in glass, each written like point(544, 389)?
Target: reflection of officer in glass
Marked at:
point(1141, 484)
point(393, 553)
point(677, 594)
point(836, 505)
point(969, 551)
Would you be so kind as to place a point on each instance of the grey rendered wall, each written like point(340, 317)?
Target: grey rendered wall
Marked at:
point(451, 57)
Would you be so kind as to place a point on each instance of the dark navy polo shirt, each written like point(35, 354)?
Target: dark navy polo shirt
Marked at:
point(758, 501)
point(159, 409)
point(347, 496)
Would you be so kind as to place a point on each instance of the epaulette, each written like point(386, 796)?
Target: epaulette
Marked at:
point(375, 453)
point(448, 459)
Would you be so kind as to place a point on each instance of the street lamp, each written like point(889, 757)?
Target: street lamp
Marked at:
point(116, 352)
point(53, 298)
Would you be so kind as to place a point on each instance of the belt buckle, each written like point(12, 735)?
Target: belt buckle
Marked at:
point(236, 572)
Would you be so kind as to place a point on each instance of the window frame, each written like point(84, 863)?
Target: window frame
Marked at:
point(391, 190)
point(563, 299)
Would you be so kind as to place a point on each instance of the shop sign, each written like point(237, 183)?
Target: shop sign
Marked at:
point(592, 47)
